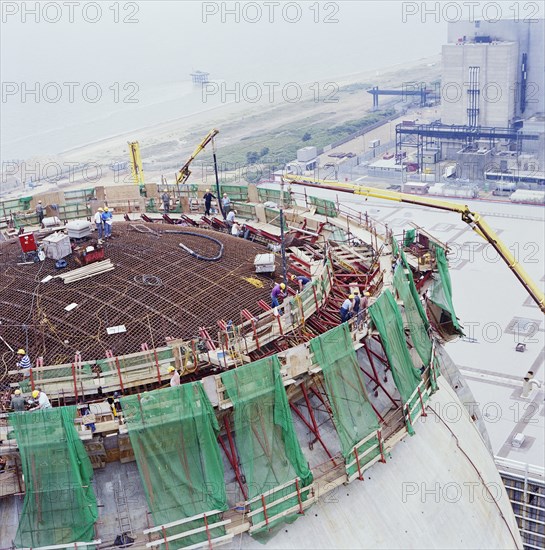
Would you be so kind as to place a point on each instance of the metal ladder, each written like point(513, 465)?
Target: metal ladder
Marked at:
point(122, 508)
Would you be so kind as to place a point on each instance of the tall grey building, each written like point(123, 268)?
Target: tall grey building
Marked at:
point(493, 73)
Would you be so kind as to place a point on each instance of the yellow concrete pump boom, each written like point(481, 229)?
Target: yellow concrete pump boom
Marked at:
point(136, 163)
point(183, 175)
point(473, 219)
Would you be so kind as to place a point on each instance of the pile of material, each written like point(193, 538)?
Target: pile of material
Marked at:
point(87, 271)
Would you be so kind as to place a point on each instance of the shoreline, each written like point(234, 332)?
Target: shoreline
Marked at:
point(225, 109)
point(244, 125)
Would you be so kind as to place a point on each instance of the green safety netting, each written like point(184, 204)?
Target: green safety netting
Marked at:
point(387, 319)
point(353, 415)
point(410, 237)
point(269, 452)
point(173, 433)
point(441, 291)
point(418, 329)
point(60, 505)
point(414, 291)
point(395, 247)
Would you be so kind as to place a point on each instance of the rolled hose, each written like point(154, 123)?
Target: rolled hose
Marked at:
point(196, 254)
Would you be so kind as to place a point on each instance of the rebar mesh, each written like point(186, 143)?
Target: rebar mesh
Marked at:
point(186, 293)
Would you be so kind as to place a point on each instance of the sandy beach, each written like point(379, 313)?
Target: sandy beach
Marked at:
point(165, 146)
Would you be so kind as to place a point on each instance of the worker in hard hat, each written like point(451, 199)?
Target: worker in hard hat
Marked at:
point(362, 314)
point(226, 204)
point(208, 196)
point(165, 198)
point(301, 281)
point(41, 400)
point(40, 212)
point(347, 308)
point(357, 302)
point(107, 219)
point(230, 219)
point(23, 362)
point(277, 293)
point(174, 376)
point(17, 402)
point(99, 224)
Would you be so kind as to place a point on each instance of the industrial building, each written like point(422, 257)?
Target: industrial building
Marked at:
point(491, 123)
point(484, 56)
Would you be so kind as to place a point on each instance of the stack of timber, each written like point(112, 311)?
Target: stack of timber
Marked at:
point(87, 271)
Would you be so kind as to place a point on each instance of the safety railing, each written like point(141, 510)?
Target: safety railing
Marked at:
point(266, 504)
point(205, 528)
point(365, 453)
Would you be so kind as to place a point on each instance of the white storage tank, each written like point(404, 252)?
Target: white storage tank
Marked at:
point(51, 221)
point(78, 229)
point(533, 197)
point(446, 191)
point(57, 246)
point(307, 153)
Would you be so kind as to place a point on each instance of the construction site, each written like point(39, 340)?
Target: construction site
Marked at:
point(282, 410)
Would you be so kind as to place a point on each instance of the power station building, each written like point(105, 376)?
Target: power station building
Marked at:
point(493, 73)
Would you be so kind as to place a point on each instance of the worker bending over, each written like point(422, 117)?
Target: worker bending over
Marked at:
point(17, 402)
point(277, 293)
point(41, 399)
point(301, 280)
point(230, 219)
point(347, 308)
point(174, 377)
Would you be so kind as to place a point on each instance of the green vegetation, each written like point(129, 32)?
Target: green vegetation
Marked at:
point(282, 142)
point(352, 126)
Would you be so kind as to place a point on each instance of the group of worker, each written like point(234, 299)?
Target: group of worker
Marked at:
point(103, 222)
point(19, 402)
point(208, 197)
point(225, 203)
point(39, 399)
point(354, 306)
point(279, 290)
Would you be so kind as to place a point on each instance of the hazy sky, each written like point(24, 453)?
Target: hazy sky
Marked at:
point(170, 38)
point(156, 44)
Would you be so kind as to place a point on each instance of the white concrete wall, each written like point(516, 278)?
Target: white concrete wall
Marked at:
point(497, 82)
point(431, 493)
point(528, 32)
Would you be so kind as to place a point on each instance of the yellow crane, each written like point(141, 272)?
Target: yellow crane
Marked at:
point(136, 163)
point(183, 174)
point(473, 219)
